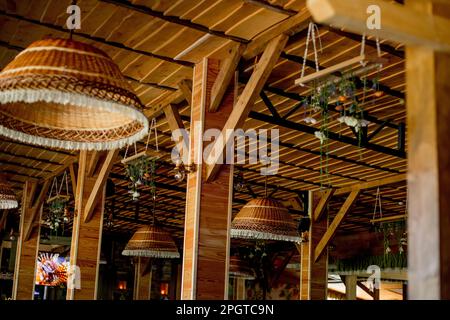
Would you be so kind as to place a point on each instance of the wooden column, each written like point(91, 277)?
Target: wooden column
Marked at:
point(350, 287)
point(303, 249)
point(28, 241)
point(93, 169)
point(208, 205)
point(240, 289)
point(428, 112)
point(318, 273)
point(142, 279)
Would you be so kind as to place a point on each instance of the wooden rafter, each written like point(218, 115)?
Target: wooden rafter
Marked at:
point(399, 23)
point(100, 180)
point(35, 207)
point(321, 206)
point(186, 87)
point(331, 231)
point(247, 99)
point(371, 184)
point(227, 69)
point(174, 121)
point(289, 26)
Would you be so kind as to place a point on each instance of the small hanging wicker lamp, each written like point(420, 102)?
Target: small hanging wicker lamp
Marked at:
point(264, 218)
point(240, 269)
point(7, 196)
point(151, 241)
point(67, 94)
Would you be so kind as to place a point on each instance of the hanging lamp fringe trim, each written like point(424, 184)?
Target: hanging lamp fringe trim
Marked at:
point(253, 234)
point(151, 254)
point(65, 98)
point(8, 204)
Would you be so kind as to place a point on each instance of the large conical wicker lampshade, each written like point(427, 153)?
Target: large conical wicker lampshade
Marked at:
point(264, 218)
point(67, 94)
point(153, 242)
point(240, 269)
point(7, 196)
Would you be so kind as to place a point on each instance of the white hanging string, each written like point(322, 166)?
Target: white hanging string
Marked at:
point(62, 183)
point(363, 50)
point(152, 126)
point(377, 202)
point(312, 29)
point(54, 185)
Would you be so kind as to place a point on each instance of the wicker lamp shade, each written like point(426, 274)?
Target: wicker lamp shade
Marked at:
point(240, 269)
point(7, 196)
point(67, 94)
point(266, 219)
point(153, 242)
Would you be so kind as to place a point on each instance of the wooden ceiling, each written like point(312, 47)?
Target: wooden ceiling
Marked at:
point(156, 44)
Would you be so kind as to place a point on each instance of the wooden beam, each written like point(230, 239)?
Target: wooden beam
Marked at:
point(34, 210)
point(289, 26)
point(185, 86)
point(99, 183)
point(92, 164)
point(142, 279)
point(208, 205)
point(173, 117)
point(3, 220)
point(246, 101)
point(427, 80)
point(73, 177)
point(331, 231)
point(321, 206)
point(350, 287)
point(227, 69)
point(27, 250)
point(371, 184)
point(175, 123)
point(314, 282)
point(398, 23)
point(365, 289)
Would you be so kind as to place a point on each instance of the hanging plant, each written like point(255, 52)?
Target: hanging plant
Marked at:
point(58, 213)
point(141, 168)
point(140, 172)
point(393, 231)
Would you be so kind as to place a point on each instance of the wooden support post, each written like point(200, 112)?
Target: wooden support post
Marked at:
point(240, 289)
point(314, 273)
point(27, 249)
point(428, 166)
point(350, 287)
point(179, 278)
point(208, 205)
point(303, 249)
point(88, 222)
point(142, 279)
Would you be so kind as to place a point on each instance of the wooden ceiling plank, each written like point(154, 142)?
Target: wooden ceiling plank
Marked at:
point(400, 23)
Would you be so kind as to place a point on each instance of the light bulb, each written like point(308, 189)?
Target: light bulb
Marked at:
point(179, 175)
